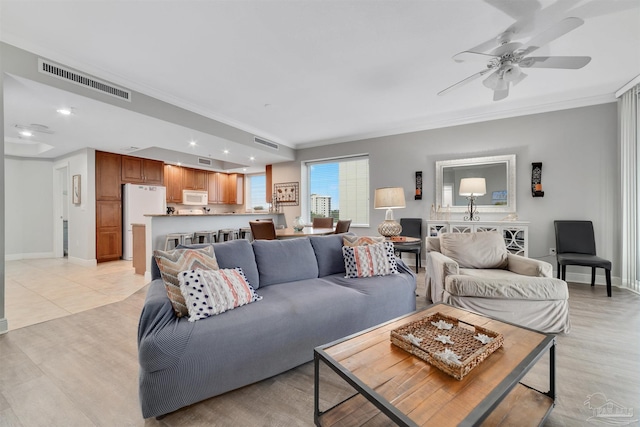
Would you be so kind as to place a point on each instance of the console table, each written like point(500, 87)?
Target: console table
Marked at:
point(515, 233)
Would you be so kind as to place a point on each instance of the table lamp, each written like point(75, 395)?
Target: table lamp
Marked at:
point(472, 187)
point(389, 198)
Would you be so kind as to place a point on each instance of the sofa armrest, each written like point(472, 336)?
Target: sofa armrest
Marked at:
point(529, 267)
point(438, 268)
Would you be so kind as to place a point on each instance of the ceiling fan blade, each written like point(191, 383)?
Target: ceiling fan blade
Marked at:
point(519, 78)
point(552, 33)
point(567, 62)
point(500, 94)
point(465, 81)
point(506, 48)
point(516, 9)
point(469, 55)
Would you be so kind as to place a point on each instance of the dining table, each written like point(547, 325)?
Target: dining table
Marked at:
point(290, 233)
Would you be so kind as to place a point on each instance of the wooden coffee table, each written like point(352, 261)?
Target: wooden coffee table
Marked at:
point(394, 387)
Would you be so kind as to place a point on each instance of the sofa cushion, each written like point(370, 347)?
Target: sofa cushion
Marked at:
point(484, 249)
point(328, 250)
point(506, 286)
point(171, 263)
point(211, 292)
point(361, 240)
point(369, 260)
point(281, 261)
point(232, 254)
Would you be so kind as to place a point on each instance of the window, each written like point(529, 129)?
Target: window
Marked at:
point(257, 192)
point(339, 188)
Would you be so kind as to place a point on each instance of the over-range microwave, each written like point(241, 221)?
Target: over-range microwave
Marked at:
point(194, 197)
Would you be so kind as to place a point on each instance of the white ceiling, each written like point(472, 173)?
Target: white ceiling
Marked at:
point(301, 73)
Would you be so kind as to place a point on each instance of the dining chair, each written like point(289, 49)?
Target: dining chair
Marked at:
point(342, 226)
point(411, 227)
point(576, 245)
point(322, 222)
point(263, 230)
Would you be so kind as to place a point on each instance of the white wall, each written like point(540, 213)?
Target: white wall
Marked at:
point(28, 208)
point(580, 174)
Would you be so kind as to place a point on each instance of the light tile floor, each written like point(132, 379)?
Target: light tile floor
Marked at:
point(37, 290)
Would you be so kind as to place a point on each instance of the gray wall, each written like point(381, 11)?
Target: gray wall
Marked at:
point(580, 174)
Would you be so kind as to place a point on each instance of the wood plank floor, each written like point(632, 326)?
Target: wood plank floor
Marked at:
point(82, 370)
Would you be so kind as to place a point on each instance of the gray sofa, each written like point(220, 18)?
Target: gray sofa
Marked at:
point(306, 302)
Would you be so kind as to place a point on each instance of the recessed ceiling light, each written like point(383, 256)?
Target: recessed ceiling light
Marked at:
point(225, 151)
point(179, 164)
point(192, 143)
point(65, 111)
point(244, 169)
point(252, 158)
point(26, 133)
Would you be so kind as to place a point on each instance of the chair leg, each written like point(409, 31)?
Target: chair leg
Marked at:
point(608, 276)
point(558, 270)
point(593, 276)
point(417, 263)
point(564, 272)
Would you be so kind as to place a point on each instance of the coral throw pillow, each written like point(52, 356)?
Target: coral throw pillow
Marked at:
point(171, 263)
point(369, 260)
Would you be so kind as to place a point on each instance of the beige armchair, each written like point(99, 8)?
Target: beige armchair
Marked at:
point(476, 272)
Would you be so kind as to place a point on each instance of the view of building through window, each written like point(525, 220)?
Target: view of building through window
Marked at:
point(257, 194)
point(340, 189)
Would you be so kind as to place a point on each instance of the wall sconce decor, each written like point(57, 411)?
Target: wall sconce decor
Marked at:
point(536, 180)
point(418, 185)
point(472, 188)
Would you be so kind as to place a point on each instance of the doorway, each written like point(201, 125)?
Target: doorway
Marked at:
point(61, 190)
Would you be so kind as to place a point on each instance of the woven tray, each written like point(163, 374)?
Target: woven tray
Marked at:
point(419, 339)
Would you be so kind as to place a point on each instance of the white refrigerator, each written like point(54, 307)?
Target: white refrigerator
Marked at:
point(140, 200)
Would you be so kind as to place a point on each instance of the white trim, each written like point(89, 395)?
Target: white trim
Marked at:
point(4, 326)
point(625, 88)
point(58, 209)
point(31, 255)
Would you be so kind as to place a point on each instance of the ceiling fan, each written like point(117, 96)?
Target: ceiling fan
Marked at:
point(505, 62)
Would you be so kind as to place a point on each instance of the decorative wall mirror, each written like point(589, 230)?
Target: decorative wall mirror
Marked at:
point(499, 173)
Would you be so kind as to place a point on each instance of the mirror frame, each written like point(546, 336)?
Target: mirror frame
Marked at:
point(509, 160)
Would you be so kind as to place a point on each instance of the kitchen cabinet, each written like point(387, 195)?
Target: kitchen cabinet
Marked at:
point(173, 182)
point(108, 230)
point(139, 248)
point(236, 188)
point(142, 171)
point(108, 176)
point(194, 179)
point(218, 187)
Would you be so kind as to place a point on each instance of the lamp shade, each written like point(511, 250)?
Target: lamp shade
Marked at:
point(472, 187)
point(389, 198)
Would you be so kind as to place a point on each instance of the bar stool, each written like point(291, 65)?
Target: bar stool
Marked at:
point(177, 239)
point(244, 233)
point(225, 234)
point(209, 236)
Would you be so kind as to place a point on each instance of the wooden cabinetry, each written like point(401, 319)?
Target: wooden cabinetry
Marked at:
point(139, 248)
point(108, 176)
point(173, 182)
point(236, 188)
point(108, 230)
point(194, 179)
point(108, 207)
point(142, 171)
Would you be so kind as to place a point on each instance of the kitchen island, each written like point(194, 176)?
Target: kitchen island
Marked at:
point(159, 225)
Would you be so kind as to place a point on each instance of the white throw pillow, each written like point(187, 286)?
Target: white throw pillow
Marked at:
point(369, 260)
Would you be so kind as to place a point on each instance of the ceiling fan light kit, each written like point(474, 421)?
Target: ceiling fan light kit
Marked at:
point(505, 62)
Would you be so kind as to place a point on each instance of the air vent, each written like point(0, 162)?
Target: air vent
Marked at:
point(204, 162)
point(66, 74)
point(266, 143)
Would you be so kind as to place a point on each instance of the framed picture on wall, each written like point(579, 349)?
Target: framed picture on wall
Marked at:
point(76, 189)
point(286, 193)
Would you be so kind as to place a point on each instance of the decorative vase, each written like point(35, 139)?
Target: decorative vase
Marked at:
point(298, 224)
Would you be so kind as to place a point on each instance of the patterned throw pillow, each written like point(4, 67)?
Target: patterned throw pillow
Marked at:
point(361, 240)
point(369, 260)
point(173, 262)
point(211, 292)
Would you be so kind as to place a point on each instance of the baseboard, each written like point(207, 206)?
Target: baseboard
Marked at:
point(31, 255)
point(4, 326)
